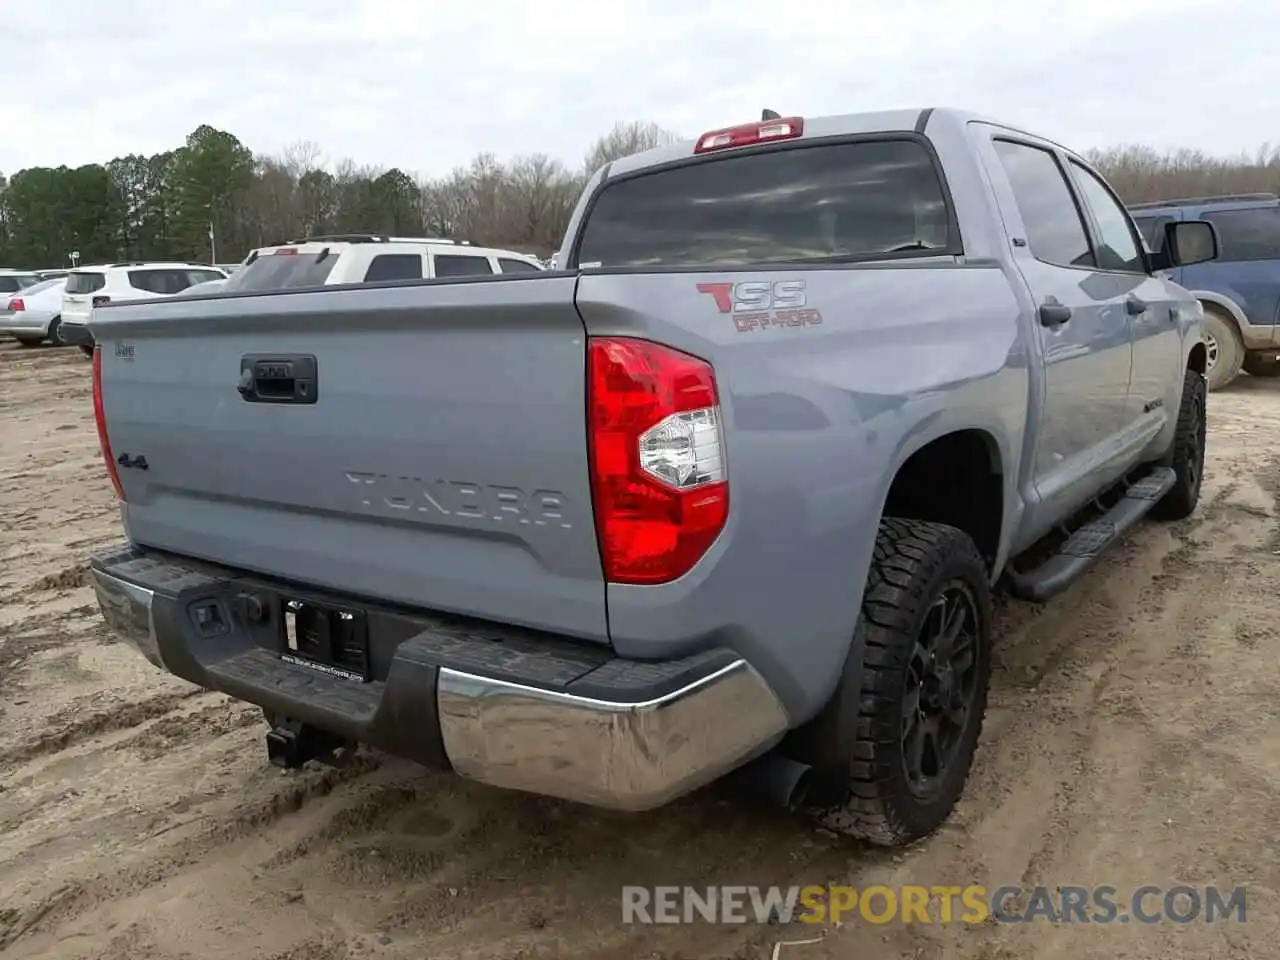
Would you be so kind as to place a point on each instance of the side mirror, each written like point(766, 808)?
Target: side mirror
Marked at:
point(1187, 242)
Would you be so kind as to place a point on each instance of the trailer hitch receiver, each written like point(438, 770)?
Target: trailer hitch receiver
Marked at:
point(291, 744)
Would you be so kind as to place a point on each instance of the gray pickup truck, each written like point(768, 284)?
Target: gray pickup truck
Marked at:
point(727, 492)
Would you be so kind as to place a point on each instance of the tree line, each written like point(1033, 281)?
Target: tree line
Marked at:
point(167, 206)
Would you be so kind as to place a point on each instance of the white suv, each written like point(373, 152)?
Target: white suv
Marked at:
point(88, 287)
point(365, 258)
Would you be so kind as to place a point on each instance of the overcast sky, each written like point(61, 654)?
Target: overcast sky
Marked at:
point(426, 85)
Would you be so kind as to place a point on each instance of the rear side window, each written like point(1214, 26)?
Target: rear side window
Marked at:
point(394, 266)
point(85, 282)
point(11, 282)
point(40, 287)
point(281, 271)
point(1152, 230)
point(453, 265)
point(168, 280)
point(1055, 232)
point(1247, 234)
point(516, 266)
point(838, 202)
point(1117, 247)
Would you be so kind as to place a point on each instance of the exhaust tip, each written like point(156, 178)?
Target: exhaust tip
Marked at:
point(777, 780)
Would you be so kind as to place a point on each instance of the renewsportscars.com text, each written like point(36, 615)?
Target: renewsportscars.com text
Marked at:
point(1149, 904)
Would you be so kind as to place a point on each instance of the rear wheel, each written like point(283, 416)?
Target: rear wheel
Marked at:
point(1223, 348)
point(54, 335)
point(926, 666)
point(86, 350)
point(1186, 456)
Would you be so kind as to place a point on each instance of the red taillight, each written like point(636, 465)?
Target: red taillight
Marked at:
point(100, 300)
point(104, 442)
point(766, 131)
point(658, 478)
point(16, 305)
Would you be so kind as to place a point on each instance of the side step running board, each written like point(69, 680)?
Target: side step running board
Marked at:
point(1087, 544)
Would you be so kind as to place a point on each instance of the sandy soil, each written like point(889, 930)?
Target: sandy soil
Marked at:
point(1133, 737)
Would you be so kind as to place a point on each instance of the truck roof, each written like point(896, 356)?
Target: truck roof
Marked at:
point(1234, 199)
point(834, 125)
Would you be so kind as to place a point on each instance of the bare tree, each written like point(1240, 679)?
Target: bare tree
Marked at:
point(1141, 173)
point(625, 139)
point(301, 157)
point(538, 197)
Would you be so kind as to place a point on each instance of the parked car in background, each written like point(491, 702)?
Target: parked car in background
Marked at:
point(732, 486)
point(207, 286)
point(11, 281)
point(51, 274)
point(228, 268)
point(32, 315)
point(89, 287)
point(368, 258)
point(1240, 290)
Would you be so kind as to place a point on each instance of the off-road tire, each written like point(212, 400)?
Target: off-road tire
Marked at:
point(1186, 456)
point(913, 564)
point(1222, 332)
point(1261, 365)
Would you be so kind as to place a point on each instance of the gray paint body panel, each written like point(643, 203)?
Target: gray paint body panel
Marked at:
point(444, 464)
point(483, 383)
point(816, 422)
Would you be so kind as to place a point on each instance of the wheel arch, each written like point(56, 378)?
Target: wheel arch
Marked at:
point(1198, 357)
point(1224, 305)
point(972, 496)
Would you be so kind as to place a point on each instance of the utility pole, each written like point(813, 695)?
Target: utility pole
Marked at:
point(213, 247)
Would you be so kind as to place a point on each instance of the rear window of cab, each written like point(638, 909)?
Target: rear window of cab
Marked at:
point(839, 202)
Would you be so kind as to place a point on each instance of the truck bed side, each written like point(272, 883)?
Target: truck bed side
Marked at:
point(817, 420)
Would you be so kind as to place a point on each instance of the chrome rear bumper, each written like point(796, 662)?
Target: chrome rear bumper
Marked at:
point(625, 735)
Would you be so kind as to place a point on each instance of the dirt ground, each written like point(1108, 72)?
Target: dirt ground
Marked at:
point(1133, 737)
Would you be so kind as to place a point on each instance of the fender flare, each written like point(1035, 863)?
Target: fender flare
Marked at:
point(1229, 306)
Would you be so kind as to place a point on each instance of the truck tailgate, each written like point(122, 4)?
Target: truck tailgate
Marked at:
point(440, 460)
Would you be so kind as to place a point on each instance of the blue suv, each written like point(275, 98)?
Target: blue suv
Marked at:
point(1240, 290)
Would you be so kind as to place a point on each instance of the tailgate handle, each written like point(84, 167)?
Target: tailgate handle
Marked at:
point(278, 378)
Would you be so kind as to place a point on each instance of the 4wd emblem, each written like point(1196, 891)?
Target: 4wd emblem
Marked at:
point(764, 304)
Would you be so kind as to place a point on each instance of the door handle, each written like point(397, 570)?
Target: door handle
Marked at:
point(1052, 314)
point(1135, 306)
point(278, 378)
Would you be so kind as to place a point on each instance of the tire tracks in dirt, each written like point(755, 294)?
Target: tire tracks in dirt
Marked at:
point(67, 732)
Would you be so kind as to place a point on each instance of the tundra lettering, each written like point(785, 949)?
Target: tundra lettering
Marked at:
point(771, 546)
point(455, 498)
